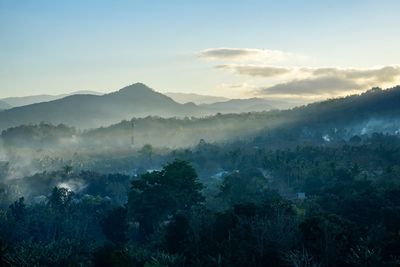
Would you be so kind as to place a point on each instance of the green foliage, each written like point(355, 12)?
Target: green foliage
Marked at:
point(111, 256)
point(242, 187)
point(176, 236)
point(350, 216)
point(60, 198)
point(160, 194)
point(18, 209)
point(115, 225)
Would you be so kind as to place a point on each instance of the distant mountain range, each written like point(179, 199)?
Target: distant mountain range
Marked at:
point(4, 105)
point(89, 109)
point(334, 120)
point(28, 100)
point(246, 105)
point(226, 105)
point(195, 98)
point(329, 121)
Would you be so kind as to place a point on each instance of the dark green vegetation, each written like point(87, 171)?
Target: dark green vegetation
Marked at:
point(296, 190)
point(248, 216)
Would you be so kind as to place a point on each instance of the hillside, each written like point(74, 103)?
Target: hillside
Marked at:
point(373, 104)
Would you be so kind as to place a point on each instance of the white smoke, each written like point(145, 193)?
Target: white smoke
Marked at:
point(326, 138)
point(74, 185)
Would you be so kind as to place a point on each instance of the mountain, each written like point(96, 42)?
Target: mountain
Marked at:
point(195, 98)
point(248, 105)
point(215, 104)
point(4, 105)
point(240, 105)
point(88, 111)
point(329, 121)
point(28, 100)
point(321, 123)
point(373, 105)
point(335, 120)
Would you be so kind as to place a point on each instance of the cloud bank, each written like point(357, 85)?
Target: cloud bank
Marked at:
point(323, 85)
point(254, 70)
point(335, 81)
point(244, 54)
point(330, 81)
point(287, 74)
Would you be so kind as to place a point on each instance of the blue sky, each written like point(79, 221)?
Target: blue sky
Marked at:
point(53, 47)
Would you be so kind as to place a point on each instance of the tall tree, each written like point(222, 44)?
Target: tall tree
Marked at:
point(158, 195)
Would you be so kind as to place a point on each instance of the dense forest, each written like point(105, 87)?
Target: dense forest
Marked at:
point(307, 206)
point(199, 133)
point(296, 189)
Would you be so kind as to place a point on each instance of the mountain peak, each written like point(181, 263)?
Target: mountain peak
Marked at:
point(136, 90)
point(137, 87)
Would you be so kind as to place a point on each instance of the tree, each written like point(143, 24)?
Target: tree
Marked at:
point(160, 194)
point(115, 226)
point(176, 237)
point(18, 209)
point(243, 187)
point(60, 198)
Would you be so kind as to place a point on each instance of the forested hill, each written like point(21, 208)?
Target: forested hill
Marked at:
point(374, 111)
point(373, 103)
point(332, 120)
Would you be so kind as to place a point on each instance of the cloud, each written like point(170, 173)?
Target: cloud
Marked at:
point(383, 74)
point(244, 54)
point(336, 81)
point(254, 70)
point(288, 77)
point(238, 90)
point(327, 81)
point(329, 85)
point(378, 75)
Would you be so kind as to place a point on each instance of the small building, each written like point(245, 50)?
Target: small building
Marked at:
point(300, 195)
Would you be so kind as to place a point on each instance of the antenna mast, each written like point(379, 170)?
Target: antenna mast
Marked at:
point(132, 132)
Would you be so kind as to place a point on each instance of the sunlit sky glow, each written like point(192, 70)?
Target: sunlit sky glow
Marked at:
point(290, 49)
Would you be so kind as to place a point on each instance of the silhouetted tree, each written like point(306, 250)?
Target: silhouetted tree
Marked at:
point(160, 194)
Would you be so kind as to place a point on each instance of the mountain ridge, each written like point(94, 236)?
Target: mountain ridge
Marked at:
point(88, 111)
point(198, 99)
point(135, 100)
point(4, 105)
point(318, 123)
point(19, 101)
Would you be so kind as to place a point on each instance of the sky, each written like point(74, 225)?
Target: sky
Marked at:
point(307, 50)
